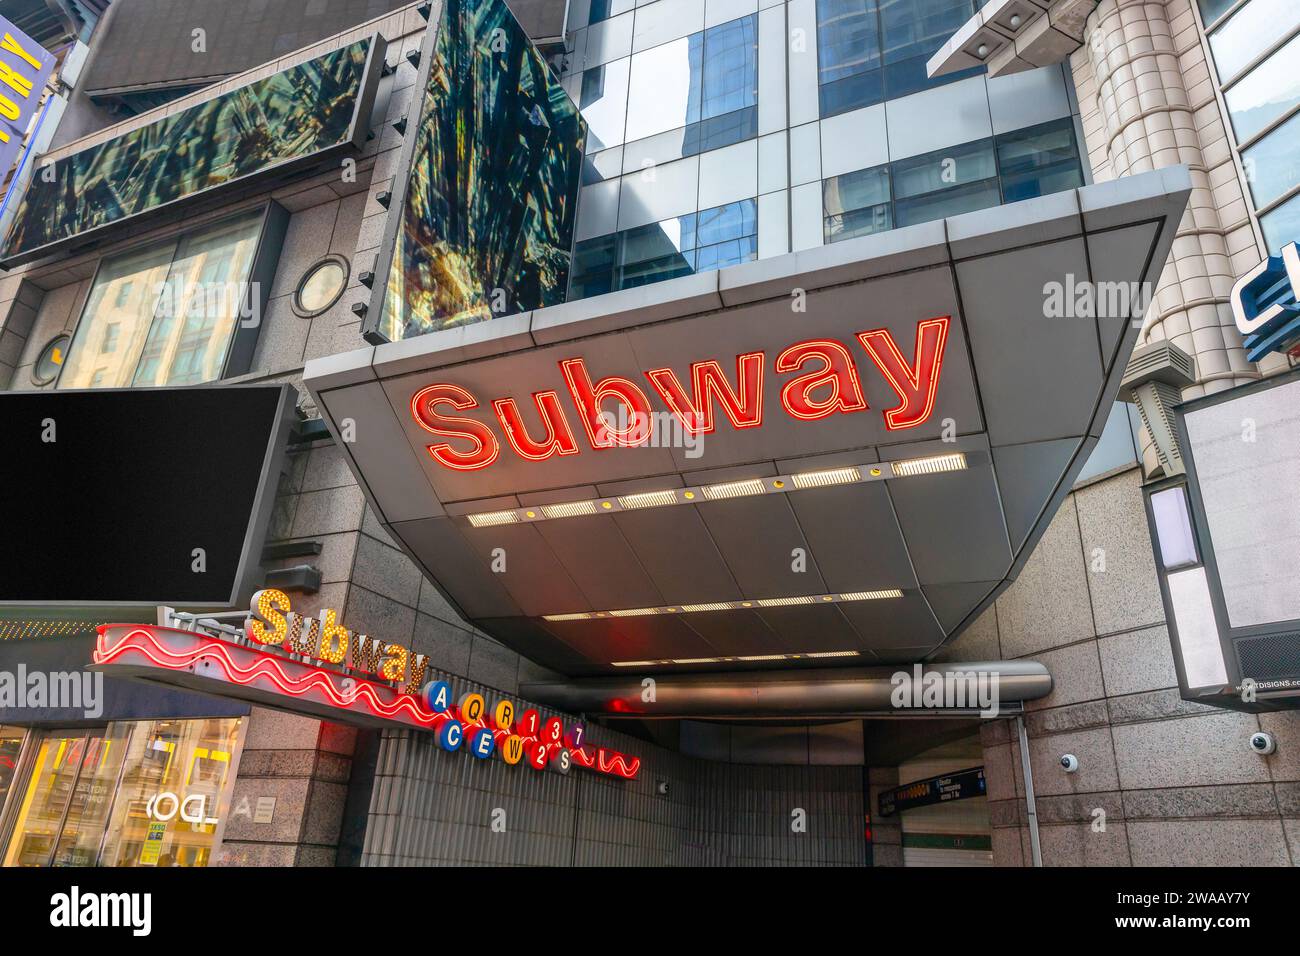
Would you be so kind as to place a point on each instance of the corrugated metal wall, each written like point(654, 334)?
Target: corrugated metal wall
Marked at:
point(429, 808)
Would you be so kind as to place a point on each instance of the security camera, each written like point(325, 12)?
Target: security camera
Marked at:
point(661, 787)
point(1069, 763)
point(1263, 743)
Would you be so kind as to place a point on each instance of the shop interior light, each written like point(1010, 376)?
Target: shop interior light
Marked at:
point(833, 654)
point(635, 612)
point(929, 466)
point(490, 519)
point(648, 499)
point(821, 479)
point(717, 606)
point(733, 489)
point(567, 617)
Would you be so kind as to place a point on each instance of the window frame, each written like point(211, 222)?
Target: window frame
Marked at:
point(271, 231)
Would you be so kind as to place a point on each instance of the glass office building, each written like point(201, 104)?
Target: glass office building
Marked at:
point(725, 131)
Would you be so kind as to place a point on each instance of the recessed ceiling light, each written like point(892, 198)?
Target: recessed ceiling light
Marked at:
point(733, 489)
point(929, 466)
point(830, 476)
point(489, 519)
point(569, 510)
point(648, 499)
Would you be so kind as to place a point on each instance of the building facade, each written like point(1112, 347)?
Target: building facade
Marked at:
point(718, 135)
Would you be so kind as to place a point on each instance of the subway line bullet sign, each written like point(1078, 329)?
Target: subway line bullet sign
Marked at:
point(24, 68)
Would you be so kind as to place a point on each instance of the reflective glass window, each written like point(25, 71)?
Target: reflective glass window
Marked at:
point(873, 50)
point(1281, 225)
point(665, 87)
point(730, 79)
point(1249, 32)
point(1211, 10)
point(1273, 164)
point(911, 32)
point(1039, 160)
point(706, 83)
point(603, 102)
point(857, 204)
point(698, 242)
point(165, 314)
point(1270, 90)
point(944, 169)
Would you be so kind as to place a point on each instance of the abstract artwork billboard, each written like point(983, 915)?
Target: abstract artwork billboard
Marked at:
point(482, 226)
point(293, 117)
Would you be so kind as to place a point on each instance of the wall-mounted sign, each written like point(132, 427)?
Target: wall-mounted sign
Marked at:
point(25, 67)
point(334, 685)
point(922, 793)
point(1264, 305)
point(293, 119)
point(825, 381)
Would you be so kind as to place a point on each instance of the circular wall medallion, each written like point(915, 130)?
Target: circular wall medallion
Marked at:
point(320, 286)
point(51, 360)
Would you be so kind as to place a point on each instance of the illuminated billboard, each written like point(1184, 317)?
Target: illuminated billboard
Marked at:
point(482, 225)
point(294, 118)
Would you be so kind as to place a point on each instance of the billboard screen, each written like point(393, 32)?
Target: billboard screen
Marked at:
point(292, 117)
point(138, 496)
point(483, 225)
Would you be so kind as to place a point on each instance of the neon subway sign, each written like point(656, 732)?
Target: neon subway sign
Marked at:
point(397, 694)
point(824, 381)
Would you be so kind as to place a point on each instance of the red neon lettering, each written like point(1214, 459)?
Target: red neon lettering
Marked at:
point(589, 397)
point(559, 437)
point(916, 385)
point(485, 447)
point(710, 382)
point(839, 374)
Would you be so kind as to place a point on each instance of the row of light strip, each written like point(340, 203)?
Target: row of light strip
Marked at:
point(728, 605)
point(732, 660)
point(781, 484)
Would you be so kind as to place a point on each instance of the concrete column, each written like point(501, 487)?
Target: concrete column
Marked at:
point(287, 808)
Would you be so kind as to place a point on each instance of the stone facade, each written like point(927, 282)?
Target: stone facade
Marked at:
point(1161, 781)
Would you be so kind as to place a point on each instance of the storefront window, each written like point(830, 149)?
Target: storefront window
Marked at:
point(139, 793)
point(165, 314)
point(11, 744)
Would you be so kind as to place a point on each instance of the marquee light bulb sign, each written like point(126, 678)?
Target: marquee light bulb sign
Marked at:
point(824, 380)
point(326, 683)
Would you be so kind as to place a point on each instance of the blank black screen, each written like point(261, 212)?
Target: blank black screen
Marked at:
point(113, 509)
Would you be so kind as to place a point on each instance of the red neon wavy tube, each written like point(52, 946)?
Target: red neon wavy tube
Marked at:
point(265, 666)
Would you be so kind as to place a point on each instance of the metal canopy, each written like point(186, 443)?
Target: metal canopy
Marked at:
point(1022, 395)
